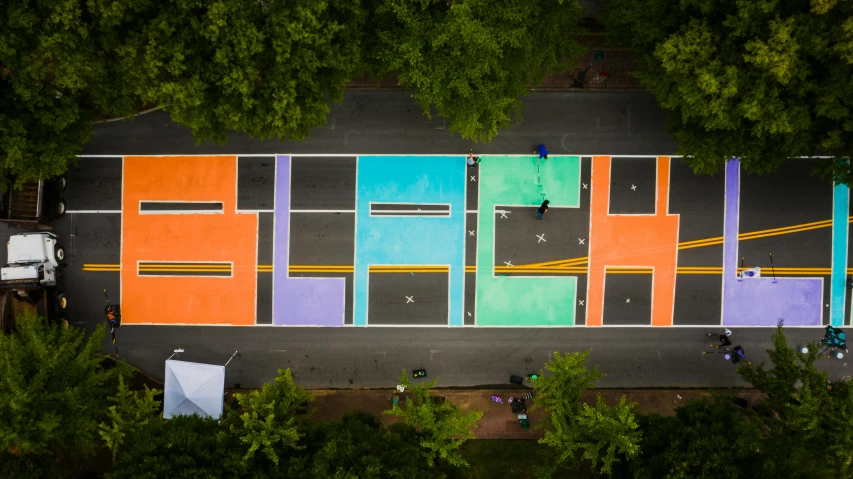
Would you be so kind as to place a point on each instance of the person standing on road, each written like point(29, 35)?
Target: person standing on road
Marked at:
point(473, 161)
point(542, 209)
point(542, 152)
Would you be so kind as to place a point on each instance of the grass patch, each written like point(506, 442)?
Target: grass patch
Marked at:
point(493, 458)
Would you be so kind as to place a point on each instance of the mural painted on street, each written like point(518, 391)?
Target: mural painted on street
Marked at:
point(408, 240)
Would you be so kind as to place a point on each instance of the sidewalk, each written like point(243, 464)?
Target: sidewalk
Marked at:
point(613, 73)
point(498, 422)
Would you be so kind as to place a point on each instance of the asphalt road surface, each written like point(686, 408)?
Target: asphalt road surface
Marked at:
point(499, 312)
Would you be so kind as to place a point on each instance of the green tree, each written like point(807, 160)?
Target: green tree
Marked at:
point(52, 395)
point(268, 424)
point(46, 60)
point(807, 418)
point(707, 438)
point(267, 69)
point(442, 426)
point(471, 60)
point(763, 80)
point(573, 429)
point(129, 413)
point(186, 447)
point(357, 446)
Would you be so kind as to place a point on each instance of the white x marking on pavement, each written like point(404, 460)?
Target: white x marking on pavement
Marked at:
point(581, 241)
point(473, 178)
point(471, 233)
point(585, 186)
point(580, 302)
point(409, 299)
point(634, 187)
point(628, 300)
point(503, 214)
point(541, 238)
point(469, 314)
point(508, 263)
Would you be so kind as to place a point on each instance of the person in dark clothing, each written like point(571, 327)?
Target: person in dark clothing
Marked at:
point(724, 338)
point(542, 152)
point(542, 209)
point(739, 355)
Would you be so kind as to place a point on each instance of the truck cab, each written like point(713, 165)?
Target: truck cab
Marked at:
point(31, 257)
point(33, 273)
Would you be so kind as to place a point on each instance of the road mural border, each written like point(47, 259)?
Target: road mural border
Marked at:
point(299, 300)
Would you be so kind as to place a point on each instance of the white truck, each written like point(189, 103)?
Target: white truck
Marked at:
point(34, 261)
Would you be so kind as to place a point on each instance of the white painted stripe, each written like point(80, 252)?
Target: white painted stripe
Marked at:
point(322, 211)
point(415, 212)
point(77, 212)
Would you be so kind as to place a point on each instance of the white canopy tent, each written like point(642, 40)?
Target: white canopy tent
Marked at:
point(193, 388)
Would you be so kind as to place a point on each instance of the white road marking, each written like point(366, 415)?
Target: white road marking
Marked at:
point(409, 299)
point(508, 263)
point(581, 241)
point(541, 238)
point(77, 212)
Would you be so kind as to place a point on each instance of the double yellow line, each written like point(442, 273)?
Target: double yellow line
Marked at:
point(571, 266)
point(761, 233)
point(522, 269)
point(717, 240)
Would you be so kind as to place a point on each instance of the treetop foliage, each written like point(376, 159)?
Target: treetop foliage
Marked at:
point(575, 430)
point(263, 68)
point(442, 426)
point(762, 80)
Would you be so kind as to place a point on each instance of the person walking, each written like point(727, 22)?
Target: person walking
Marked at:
point(739, 355)
point(542, 152)
point(473, 161)
point(735, 355)
point(724, 338)
point(542, 209)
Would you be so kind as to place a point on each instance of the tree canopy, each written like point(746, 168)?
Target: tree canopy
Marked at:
point(358, 446)
point(762, 80)
point(266, 69)
point(55, 79)
point(267, 429)
point(801, 430)
point(707, 438)
point(473, 60)
point(182, 447)
point(52, 396)
point(442, 426)
point(807, 418)
point(575, 430)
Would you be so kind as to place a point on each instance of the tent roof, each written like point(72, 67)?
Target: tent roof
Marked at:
point(193, 388)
